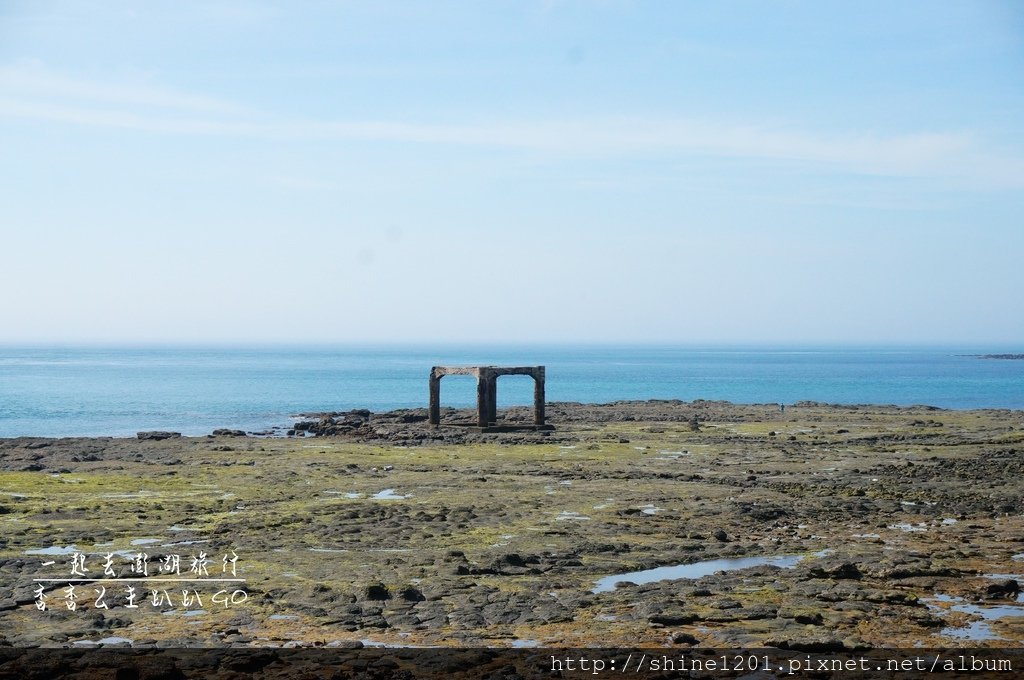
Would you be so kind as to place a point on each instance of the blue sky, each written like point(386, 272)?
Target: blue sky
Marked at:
point(603, 171)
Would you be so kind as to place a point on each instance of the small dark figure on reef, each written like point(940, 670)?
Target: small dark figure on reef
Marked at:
point(782, 408)
point(694, 423)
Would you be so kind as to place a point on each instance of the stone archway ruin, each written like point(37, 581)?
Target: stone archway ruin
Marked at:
point(487, 391)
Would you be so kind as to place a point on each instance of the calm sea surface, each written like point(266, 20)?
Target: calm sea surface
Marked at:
point(94, 391)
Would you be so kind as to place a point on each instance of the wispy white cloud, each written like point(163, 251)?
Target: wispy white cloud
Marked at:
point(32, 92)
point(33, 81)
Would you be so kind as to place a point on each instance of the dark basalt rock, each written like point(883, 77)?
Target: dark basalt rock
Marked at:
point(377, 592)
point(157, 435)
point(684, 639)
point(673, 618)
point(837, 571)
point(412, 594)
point(1007, 588)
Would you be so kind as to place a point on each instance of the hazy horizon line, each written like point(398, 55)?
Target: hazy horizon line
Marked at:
point(994, 345)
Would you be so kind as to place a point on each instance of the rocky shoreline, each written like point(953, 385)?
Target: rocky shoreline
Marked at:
point(410, 427)
point(877, 526)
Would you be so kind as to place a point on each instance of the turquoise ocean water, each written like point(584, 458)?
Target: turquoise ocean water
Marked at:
point(119, 391)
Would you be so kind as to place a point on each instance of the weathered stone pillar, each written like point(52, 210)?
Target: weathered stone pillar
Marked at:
point(492, 399)
point(538, 396)
point(483, 390)
point(435, 398)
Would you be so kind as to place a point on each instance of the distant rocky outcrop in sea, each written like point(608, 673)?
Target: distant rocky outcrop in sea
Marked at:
point(157, 435)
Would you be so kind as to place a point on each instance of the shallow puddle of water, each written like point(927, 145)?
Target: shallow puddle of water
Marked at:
point(171, 545)
point(389, 645)
point(387, 495)
point(346, 494)
point(525, 644)
point(53, 550)
point(113, 640)
point(974, 630)
point(145, 541)
point(282, 617)
point(696, 570)
point(910, 528)
point(567, 515)
point(328, 550)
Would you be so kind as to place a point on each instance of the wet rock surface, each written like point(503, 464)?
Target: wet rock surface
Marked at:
point(904, 526)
